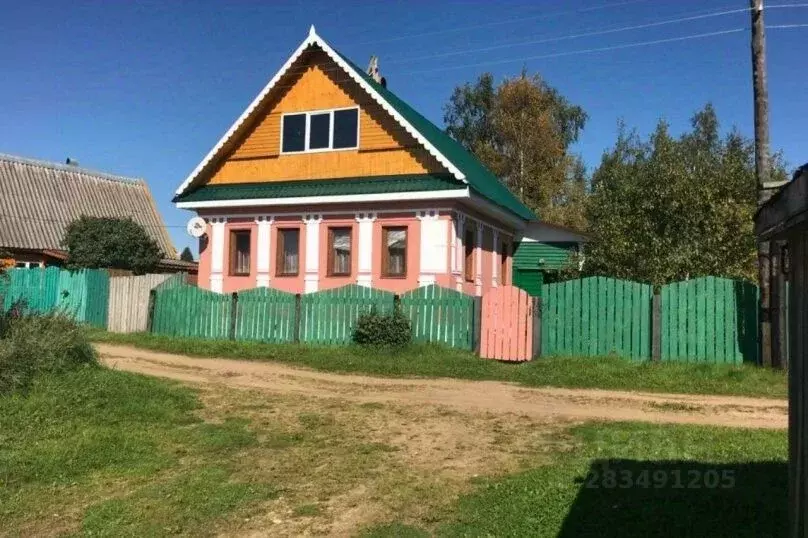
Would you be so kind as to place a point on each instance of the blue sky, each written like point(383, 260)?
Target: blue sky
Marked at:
point(145, 89)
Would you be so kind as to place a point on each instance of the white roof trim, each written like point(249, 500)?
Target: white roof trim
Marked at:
point(337, 199)
point(314, 39)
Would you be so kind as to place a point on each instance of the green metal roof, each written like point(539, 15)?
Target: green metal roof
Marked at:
point(322, 187)
point(480, 179)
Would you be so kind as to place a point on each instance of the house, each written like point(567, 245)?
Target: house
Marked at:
point(784, 218)
point(39, 199)
point(328, 178)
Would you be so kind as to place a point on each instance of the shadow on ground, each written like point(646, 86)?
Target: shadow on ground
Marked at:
point(627, 498)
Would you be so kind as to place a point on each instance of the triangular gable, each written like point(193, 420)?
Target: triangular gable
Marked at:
point(248, 115)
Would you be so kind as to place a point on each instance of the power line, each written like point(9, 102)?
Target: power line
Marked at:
point(499, 23)
point(584, 51)
point(576, 36)
point(770, 26)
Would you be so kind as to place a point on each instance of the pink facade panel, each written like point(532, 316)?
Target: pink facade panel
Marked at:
point(444, 249)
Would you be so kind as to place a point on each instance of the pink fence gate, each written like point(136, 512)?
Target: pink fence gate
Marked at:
point(507, 324)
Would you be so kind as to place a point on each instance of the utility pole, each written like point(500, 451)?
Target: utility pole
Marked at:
point(761, 100)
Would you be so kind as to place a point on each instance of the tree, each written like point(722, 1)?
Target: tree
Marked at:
point(522, 130)
point(93, 242)
point(669, 209)
point(186, 255)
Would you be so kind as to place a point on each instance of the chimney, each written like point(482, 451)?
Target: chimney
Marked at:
point(71, 162)
point(373, 71)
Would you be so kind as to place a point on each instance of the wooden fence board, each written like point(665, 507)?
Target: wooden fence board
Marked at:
point(329, 317)
point(710, 319)
point(440, 315)
point(597, 316)
point(265, 315)
point(191, 312)
point(129, 301)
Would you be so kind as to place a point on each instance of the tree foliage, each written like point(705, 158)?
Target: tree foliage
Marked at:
point(186, 255)
point(667, 209)
point(94, 242)
point(521, 130)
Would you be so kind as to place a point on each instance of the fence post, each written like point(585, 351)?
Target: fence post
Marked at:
point(296, 334)
point(476, 321)
point(150, 319)
point(233, 315)
point(536, 327)
point(656, 327)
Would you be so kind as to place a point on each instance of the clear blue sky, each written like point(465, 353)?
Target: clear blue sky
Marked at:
point(145, 89)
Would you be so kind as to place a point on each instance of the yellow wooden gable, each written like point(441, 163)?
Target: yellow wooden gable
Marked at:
point(316, 82)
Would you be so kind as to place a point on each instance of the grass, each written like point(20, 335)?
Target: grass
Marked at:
point(563, 499)
point(116, 454)
point(433, 361)
point(106, 453)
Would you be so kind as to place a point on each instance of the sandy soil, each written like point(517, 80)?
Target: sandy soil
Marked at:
point(464, 396)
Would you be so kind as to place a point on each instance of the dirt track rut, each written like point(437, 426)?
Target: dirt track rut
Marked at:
point(470, 396)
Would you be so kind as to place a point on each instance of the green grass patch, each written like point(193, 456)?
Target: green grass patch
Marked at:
point(435, 361)
point(183, 505)
point(80, 435)
point(635, 480)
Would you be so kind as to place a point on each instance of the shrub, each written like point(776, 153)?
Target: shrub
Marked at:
point(41, 344)
point(388, 330)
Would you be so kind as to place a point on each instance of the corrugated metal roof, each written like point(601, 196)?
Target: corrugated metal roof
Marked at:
point(326, 187)
point(39, 199)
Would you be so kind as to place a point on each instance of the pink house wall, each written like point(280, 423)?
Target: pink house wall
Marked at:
point(244, 220)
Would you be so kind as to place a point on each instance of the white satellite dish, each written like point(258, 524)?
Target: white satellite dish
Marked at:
point(196, 227)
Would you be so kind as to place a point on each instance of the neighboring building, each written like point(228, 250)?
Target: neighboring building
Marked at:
point(784, 218)
point(541, 252)
point(328, 178)
point(38, 200)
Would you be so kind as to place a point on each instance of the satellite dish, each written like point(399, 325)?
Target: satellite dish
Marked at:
point(196, 227)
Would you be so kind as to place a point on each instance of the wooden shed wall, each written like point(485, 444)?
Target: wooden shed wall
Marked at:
point(798, 384)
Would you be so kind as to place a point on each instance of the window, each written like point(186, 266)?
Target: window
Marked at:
point(288, 261)
point(346, 128)
point(240, 252)
point(469, 247)
point(394, 252)
point(503, 271)
point(339, 251)
point(294, 133)
point(323, 130)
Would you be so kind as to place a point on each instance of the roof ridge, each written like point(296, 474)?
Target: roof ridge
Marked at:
point(70, 168)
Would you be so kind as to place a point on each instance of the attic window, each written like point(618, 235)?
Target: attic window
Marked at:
point(321, 130)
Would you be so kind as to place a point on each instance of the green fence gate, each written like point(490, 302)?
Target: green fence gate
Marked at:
point(709, 319)
point(596, 316)
point(440, 315)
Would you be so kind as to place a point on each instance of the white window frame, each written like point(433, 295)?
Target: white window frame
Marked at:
point(309, 114)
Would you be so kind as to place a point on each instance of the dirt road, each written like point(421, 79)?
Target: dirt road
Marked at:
point(471, 396)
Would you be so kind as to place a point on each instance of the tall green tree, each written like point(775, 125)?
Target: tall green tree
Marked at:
point(186, 255)
point(667, 208)
point(93, 242)
point(522, 130)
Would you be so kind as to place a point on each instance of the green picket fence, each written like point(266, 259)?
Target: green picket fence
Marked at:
point(190, 311)
point(440, 315)
point(596, 316)
point(82, 295)
point(266, 315)
point(709, 319)
point(328, 317)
